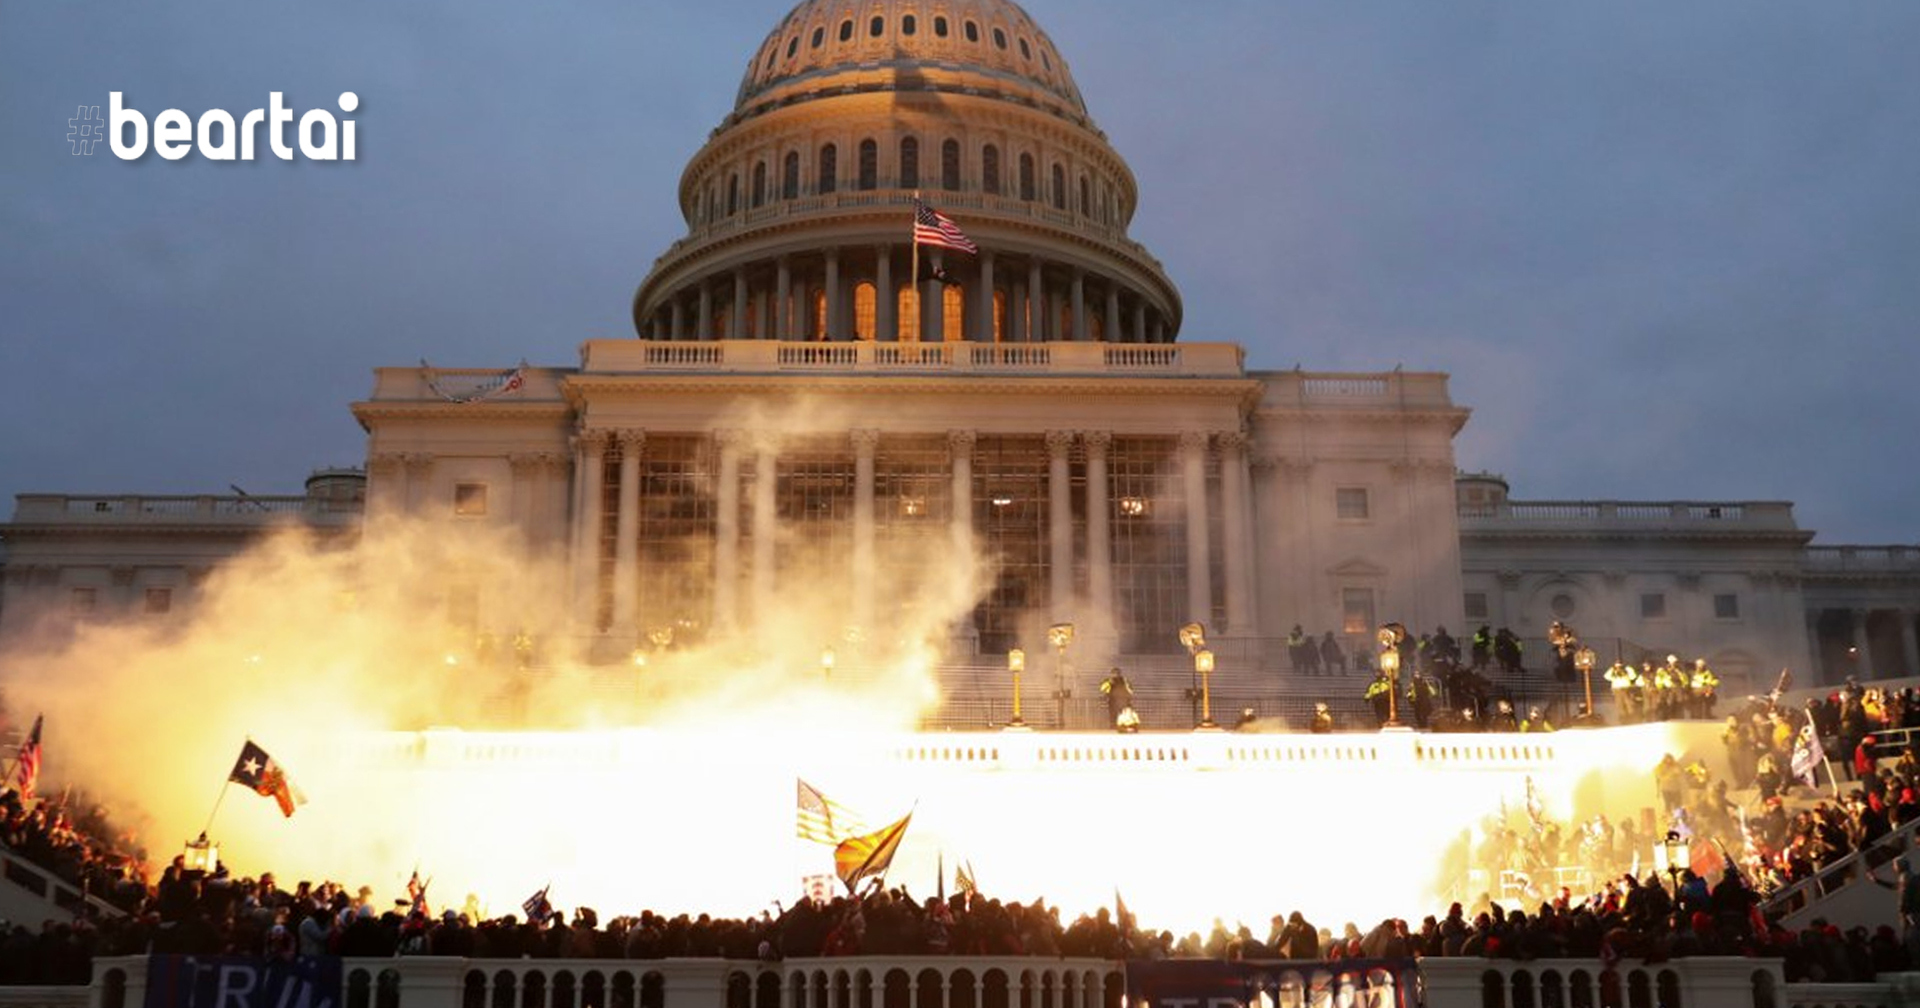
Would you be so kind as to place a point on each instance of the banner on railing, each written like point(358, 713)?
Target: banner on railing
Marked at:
point(1207, 983)
point(181, 981)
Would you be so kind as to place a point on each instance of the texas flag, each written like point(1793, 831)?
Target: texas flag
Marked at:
point(257, 770)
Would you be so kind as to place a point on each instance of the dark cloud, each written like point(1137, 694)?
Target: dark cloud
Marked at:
point(1666, 252)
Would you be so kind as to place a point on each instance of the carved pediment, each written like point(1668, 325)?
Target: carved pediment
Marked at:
point(1357, 567)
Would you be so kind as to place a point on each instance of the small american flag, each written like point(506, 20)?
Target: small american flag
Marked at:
point(537, 907)
point(931, 227)
point(26, 770)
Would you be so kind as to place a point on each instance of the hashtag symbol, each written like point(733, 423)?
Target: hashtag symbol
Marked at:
point(85, 129)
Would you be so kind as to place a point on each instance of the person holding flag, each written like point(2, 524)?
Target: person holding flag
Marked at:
point(26, 763)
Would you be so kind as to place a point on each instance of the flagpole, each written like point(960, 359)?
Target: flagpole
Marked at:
point(216, 806)
point(913, 271)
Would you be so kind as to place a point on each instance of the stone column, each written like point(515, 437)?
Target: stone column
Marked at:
point(933, 302)
point(966, 639)
point(626, 550)
point(726, 530)
point(1079, 301)
point(765, 481)
point(1193, 467)
point(1139, 322)
point(886, 300)
point(1038, 330)
point(1059, 525)
point(677, 328)
point(1099, 525)
point(737, 319)
point(705, 315)
point(864, 443)
point(1238, 533)
point(1017, 314)
point(782, 300)
point(960, 448)
point(1113, 312)
point(983, 328)
point(1910, 636)
point(835, 330)
point(586, 561)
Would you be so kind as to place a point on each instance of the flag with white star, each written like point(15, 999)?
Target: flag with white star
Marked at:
point(258, 771)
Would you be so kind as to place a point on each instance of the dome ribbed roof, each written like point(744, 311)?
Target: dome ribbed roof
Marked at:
point(930, 45)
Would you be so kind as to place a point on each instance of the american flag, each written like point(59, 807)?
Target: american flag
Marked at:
point(931, 227)
point(26, 769)
point(821, 819)
point(417, 892)
point(537, 907)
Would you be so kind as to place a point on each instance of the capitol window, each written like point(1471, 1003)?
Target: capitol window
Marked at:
point(1726, 607)
point(846, 30)
point(973, 32)
point(819, 36)
point(990, 170)
point(1653, 605)
point(1476, 605)
point(869, 164)
point(907, 24)
point(159, 601)
point(909, 163)
point(940, 27)
point(827, 178)
point(1026, 176)
point(876, 26)
point(999, 39)
point(470, 499)
point(1350, 503)
point(950, 165)
point(1356, 610)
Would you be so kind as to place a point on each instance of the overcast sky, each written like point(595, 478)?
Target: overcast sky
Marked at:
point(1667, 251)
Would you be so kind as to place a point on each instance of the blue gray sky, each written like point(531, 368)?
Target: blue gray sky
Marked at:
point(1666, 250)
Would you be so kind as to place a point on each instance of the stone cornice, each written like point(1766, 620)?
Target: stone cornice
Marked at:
point(581, 387)
point(432, 409)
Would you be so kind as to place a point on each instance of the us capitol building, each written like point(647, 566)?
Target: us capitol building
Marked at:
point(810, 404)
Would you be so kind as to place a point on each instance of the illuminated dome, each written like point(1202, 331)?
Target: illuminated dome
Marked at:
point(799, 206)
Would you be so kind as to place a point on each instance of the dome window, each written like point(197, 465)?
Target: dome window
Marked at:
point(869, 164)
point(1044, 61)
point(909, 163)
point(973, 32)
point(826, 180)
point(950, 165)
point(793, 46)
point(1059, 188)
point(876, 26)
point(940, 27)
point(1086, 198)
point(767, 64)
point(999, 39)
point(1026, 177)
point(908, 24)
point(819, 36)
point(846, 30)
point(990, 170)
point(1025, 53)
point(790, 176)
point(759, 183)
point(733, 194)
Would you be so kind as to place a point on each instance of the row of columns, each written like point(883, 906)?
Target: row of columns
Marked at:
point(733, 445)
point(784, 311)
point(1862, 642)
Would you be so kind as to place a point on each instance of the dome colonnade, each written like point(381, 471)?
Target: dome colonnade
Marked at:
point(799, 206)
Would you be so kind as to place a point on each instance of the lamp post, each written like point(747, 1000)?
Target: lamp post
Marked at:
point(1390, 636)
point(1674, 846)
point(202, 855)
point(1583, 660)
point(1060, 635)
point(1016, 664)
point(1203, 665)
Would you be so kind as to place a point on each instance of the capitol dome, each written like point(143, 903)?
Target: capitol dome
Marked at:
point(799, 206)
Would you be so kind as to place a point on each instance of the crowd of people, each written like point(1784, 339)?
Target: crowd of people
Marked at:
point(1744, 837)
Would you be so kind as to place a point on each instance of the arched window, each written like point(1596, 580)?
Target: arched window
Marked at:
point(819, 315)
point(826, 179)
point(953, 312)
point(864, 305)
point(950, 165)
point(990, 170)
point(1026, 176)
point(759, 183)
point(793, 46)
point(907, 24)
point(908, 313)
point(869, 164)
point(999, 315)
point(1025, 53)
point(819, 36)
point(876, 26)
point(1059, 188)
point(940, 27)
point(846, 29)
point(973, 32)
point(790, 176)
point(1086, 198)
point(999, 39)
point(909, 163)
point(733, 194)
